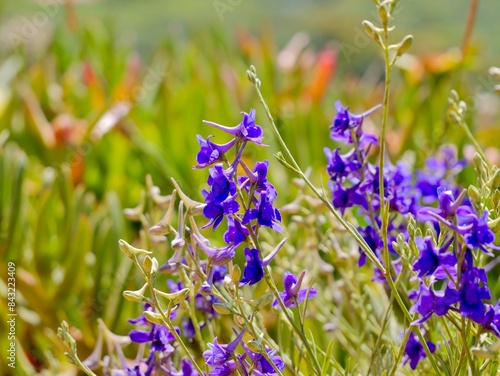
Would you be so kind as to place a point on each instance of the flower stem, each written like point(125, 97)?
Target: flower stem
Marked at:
point(349, 227)
point(301, 334)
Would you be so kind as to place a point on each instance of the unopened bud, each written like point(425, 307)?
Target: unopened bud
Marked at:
point(205, 289)
point(236, 274)
point(221, 308)
point(150, 265)
point(154, 317)
point(136, 296)
point(131, 251)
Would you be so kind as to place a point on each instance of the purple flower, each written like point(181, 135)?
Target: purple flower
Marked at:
point(448, 206)
point(415, 352)
point(211, 153)
point(473, 291)
point(475, 230)
point(293, 292)
point(219, 355)
point(430, 302)
point(216, 211)
point(435, 261)
point(227, 369)
point(437, 172)
point(344, 198)
point(247, 130)
point(218, 256)
point(340, 165)
point(254, 270)
point(345, 124)
point(221, 186)
point(236, 233)
point(187, 368)
point(188, 328)
point(373, 240)
point(159, 337)
point(265, 214)
point(257, 179)
point(261, 366)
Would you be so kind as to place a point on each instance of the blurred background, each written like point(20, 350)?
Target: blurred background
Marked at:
point(97, 94)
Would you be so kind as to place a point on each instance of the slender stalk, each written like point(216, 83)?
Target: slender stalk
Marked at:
point(385, 114)
point(401, 352)
point(305, 341)
point(382, 329)
point(165, 319)
point(478, 147)
point(349, 228)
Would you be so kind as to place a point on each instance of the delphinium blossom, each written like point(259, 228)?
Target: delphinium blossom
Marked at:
point(354, 181)
point(161, 348)
point(292, 291)
point(447, 276)
point(223, 200)
point(225, 360)
point(414, 351)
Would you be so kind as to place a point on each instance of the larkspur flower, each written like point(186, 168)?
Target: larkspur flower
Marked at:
point(373, 239)
point(435, 261)
point(218, 355)
point(438, 171)
point(476, 232)
point(257, 180)
point(217, 256)
point(247, 130)
point(211, 153)
point(473, 290)
point(265, 214)
point(236, 233)
point(186, 369)
point(415, 352)
point(293, 292)
point(261, 366)
point(345, 124)
point(159, 336)
point(215, 212)
point(221, 185)
point(254, 268)
point(344, 198)
point(339, 166)
point(429, 302)
point(447, 207)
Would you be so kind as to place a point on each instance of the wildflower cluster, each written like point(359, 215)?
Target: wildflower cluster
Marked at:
point(447, 268)
point(242, 201)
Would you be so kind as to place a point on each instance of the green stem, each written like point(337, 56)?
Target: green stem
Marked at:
point(165, 319)
point(301, 334)
point(478, 147)
point(350, 228)
point(382, 329)
point(385, 114)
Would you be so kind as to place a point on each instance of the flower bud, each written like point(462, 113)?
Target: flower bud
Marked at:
point(154, 317)
point(131, 251)
point(150, 265)
point(164, 227)
point(193, 207)
point(134, 214)
point(222, 308)
point(236, 274)
point(176, 297)
point(136, 296)
point(205, 289)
